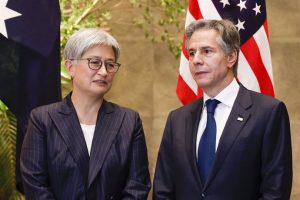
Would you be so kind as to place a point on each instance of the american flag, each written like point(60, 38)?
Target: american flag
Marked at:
point(255, 67)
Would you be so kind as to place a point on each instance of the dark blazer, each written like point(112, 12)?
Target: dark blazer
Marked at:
point(55, 163)
point(253, 159)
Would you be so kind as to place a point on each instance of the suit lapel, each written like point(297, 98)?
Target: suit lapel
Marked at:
point(237, 119)
point(68, 126)
point(107, 126)
point(191, 129)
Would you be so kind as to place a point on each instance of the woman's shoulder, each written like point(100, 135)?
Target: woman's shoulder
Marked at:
point(47, 108)
point(119, 108)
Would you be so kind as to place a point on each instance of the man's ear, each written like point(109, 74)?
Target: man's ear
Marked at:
point(232, 58)
point(69, 67)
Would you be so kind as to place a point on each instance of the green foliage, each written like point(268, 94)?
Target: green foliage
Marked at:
point(8, 130)
point(81, 13)
point(163, 20)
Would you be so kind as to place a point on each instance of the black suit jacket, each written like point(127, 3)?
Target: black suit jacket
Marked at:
point(55, 163)
point(253, 159)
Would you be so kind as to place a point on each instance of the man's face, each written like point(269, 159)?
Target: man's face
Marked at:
point(210, 67)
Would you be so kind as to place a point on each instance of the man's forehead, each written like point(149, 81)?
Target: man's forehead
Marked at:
point(205, 31)
point(195, 47)
point(203, 44)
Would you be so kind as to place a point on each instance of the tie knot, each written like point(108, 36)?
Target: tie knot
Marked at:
point(211, 105)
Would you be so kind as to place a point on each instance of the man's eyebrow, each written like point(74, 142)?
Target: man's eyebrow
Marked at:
point(202, 47)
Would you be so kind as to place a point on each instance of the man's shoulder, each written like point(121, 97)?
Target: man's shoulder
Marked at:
point(262, 100)
point(188, 108)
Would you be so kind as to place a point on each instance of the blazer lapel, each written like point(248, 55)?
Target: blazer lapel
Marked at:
point(68, 125)
point(108, 124)
point(191, 129)
point(236, 121)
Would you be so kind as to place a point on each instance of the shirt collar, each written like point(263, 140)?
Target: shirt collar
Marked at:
point(228, 95)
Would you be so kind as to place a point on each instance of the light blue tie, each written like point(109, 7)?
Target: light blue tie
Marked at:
point(207, 144)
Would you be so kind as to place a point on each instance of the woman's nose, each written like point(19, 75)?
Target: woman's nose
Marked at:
point(102, 70)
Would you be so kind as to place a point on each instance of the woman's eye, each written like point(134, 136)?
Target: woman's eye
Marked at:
point(111, 65)
point(95, 62)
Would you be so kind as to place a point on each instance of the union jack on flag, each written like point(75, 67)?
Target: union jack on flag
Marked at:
point(255, 67)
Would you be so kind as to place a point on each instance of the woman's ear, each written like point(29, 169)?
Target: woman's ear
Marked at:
point(232, 58)
point(69, 67)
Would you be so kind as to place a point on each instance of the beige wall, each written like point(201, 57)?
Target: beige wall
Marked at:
point(147, 79)
point(284, 28)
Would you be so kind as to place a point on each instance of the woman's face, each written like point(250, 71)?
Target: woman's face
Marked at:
point(91, 82)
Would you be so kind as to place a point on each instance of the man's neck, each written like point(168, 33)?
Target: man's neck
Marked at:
point(215, 90)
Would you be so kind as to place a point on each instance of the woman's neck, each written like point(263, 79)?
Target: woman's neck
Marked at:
point(86, 108)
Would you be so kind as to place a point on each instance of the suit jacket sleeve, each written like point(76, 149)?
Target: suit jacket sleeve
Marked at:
point(163, 186)
point(33, 161)
point(276, 168)
point(138, 182)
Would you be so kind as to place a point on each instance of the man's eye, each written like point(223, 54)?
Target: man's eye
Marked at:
point(191, 53)
point(207, 51)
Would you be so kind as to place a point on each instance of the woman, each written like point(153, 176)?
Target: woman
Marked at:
point(85, 147)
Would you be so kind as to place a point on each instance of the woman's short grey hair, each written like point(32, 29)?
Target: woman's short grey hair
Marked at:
point(81, 41)
point(229, 39)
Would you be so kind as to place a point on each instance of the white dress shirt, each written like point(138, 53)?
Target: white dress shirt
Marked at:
point(227, 97)
point(88, 133)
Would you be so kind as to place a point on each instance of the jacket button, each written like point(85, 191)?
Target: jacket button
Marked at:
point(203, 195)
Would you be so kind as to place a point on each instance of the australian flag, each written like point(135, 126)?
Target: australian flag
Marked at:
point(29, 59)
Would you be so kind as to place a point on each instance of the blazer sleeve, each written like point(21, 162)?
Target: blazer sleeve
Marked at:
point(163, 184)
point(276, 168)
point(138, 182)
point(33, 161)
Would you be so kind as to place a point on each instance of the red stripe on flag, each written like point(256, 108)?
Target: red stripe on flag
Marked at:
point(195, 9)
point(265, 24)
point(184, 92)
point(183, 47)
point(251, 52)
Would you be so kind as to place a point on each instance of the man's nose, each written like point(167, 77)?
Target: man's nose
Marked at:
point(198, 58)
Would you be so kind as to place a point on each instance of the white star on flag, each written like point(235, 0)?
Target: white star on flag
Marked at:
point(225, 2)
point(256, 9)
point(242, 5)
point(240, 25)
point(6, 13)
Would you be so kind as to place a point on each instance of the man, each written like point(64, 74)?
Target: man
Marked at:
point(232, 144)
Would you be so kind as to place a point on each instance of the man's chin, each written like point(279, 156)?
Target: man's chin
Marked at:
point(202, 83)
